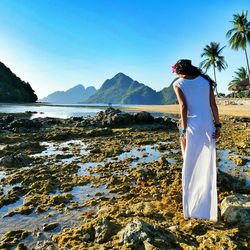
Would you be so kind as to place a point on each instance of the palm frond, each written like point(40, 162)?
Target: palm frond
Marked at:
point(212, 55)
point(239, 35)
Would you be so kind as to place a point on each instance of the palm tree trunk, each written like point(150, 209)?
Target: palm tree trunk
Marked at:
point(248, 68)
point(215, 81)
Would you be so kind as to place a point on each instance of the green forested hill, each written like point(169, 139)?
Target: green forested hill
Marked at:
point(13, 89)
point(168, 95)
point(122, 89)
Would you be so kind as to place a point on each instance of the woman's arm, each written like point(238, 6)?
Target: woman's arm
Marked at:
point(214, 107)
point(215, 112)
point(183, 106)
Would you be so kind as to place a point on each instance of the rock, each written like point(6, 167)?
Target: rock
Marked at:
point(114, 180)
point(61, 199)
point(163, 160)
point(138, 231)
point(235, 209)
point(50, 227)
point(26, 124)
point(7, 118)
point(21, 246)
point(44, 245)
point(16, 160)
point(144, 117)
point(104, 229)
point(12, 238)
point(21, 210)
point(86, 237)
point(28, 144)
point(174, 228)
point(239, 161)
point(100, 132)
point(121, 119)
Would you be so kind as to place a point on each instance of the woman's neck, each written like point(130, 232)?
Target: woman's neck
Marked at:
point(188, 76)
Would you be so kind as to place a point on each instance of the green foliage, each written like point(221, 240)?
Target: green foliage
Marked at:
point(240, 75)
point(13, 89)
point(168, 94)
point(213, 57)
point(239, 35)
point(241, 94)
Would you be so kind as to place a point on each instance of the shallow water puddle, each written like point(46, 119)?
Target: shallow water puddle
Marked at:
point(8, 187)
point(2, 175)
point(83, 193)
point(6, 209)
point(50, 150)
point(34, 223)
point(228, 166)
point(61, 148)
point(144, 154)
point(83, 170)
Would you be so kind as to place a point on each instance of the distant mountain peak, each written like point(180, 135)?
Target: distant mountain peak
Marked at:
point(125, 90)
point(78, 87)
point(121, 75)
point(75, 94)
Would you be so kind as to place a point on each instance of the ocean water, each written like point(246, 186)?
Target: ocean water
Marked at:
point(60, 110)
point(43, 110)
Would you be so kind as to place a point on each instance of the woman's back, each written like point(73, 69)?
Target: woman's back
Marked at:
point(197, 95)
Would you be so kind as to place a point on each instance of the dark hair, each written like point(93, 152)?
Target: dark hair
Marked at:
point(185, 67)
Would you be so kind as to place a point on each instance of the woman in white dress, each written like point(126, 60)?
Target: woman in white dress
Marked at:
point(199, 127)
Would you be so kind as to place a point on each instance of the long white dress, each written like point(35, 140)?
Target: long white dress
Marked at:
point(199, 174)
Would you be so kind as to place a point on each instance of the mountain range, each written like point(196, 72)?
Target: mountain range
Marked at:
point(73, 95)
point(13, 89)
point(121, 89)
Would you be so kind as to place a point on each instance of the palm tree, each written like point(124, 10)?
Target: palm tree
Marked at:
point(240, 75)
point(213, 57)
point(239, 35)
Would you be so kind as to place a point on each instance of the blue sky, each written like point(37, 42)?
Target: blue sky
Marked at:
point(56, 44)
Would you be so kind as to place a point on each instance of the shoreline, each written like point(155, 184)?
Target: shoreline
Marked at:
point(224, 109)
point(233, 110)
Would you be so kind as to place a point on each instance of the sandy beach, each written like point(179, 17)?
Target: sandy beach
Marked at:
point(233, 110)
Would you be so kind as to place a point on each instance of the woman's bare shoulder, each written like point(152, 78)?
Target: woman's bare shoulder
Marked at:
point(178, 82)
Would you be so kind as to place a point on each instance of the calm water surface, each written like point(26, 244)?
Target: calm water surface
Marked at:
point(59, 110)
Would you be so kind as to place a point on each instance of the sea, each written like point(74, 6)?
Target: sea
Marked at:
point(65, 110)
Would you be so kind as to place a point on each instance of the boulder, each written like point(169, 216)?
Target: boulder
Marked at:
point(25, 123)
point(104, 229)
point(235, 209)
point(121, 119)
point(50, 226)
point(139, 234)
point(16, 160)
point(7, 118)
point(144, 117)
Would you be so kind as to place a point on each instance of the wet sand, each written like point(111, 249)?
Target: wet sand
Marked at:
point(233, 110)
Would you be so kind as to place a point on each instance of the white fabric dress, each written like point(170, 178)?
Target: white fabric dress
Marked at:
point(199, 173)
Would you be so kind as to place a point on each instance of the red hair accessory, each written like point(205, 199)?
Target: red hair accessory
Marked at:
point(174, 68)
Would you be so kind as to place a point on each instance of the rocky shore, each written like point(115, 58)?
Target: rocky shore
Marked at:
point(113, 181)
